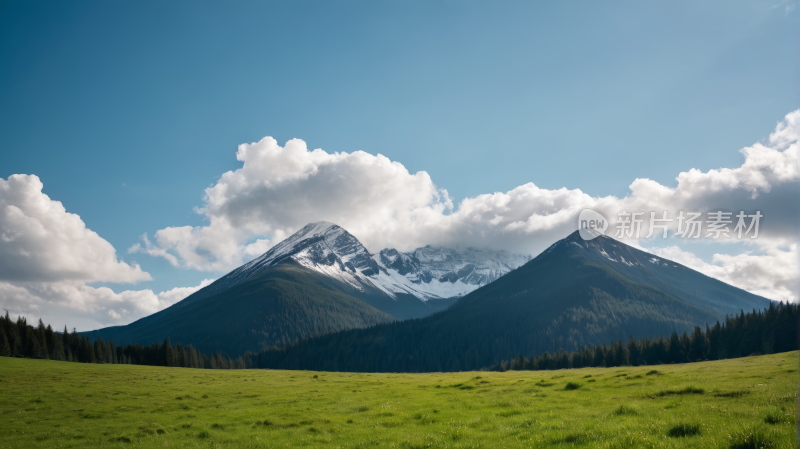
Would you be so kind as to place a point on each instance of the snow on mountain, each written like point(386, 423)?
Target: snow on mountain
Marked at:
point(441, 272)
point(427, 273)
point(323, 247)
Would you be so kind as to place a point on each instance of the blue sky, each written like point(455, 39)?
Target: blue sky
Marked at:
point(127, 111)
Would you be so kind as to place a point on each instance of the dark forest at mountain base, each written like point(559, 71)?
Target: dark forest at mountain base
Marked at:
point(277, 307)
point(20, 339)
point(775, 329)
point(772, 330)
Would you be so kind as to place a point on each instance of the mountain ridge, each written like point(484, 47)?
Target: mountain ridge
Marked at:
point(574, 293)
point(320, 271)
point(330, 249)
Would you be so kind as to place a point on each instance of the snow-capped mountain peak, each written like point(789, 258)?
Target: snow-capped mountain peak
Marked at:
point(321, 246)
point(426, 273)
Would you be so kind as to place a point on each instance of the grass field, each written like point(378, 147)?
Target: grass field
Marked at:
point(740, 403)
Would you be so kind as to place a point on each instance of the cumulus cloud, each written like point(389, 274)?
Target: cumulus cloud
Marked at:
point(773, 274)
point(48, 257)
point(86, 307)
point(147, 247)
point(170, 297)
point(41, 241)
point(280, 189)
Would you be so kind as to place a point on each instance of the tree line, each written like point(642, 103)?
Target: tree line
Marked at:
point(770, 331)
point(20, 339)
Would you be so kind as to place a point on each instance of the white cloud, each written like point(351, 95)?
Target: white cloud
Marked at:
point(48, 256)
point(79, 305)
point(148, 248)
point(41, 241)
point(170, 297)
point(773, 275)
point(280, 189)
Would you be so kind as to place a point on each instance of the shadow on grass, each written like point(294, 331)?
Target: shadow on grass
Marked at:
point(625, 410)
point(687, 390)
point(684, 430)
point(753, 439)
point(776, 416)
point(731, 394)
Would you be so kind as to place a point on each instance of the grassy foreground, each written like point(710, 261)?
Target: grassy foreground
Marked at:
point(740, 403)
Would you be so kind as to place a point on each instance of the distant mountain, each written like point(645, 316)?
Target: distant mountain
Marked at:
point(576, 292)
point(319, 280)
point(440, 272)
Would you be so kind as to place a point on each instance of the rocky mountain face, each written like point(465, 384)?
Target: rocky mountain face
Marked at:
point(323, 247)
point(425, 273)
point(440, 272)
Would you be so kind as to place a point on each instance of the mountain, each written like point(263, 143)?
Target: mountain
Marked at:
point(319, 280)
point(432, 273)
point(413, 284)
point(575, 293)
point(274, 307)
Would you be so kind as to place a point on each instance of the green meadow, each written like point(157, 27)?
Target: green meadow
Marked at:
point(739, 403)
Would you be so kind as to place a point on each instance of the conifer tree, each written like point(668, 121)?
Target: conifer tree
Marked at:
point(166, 353)
point(41, 335)
point(15, 341)
point(111, 352)
point(697, 347)
point(599, 356)
point(5, 348)
point(34, 349)
point(99, 353)
point(675, 354)
point(194, 362)
point(58, 350)
point(66, 342)
point(633, 352)
point(577, 358)
point(89, 350)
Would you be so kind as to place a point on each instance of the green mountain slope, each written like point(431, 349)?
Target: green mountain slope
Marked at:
point(671, 277)
point(574, 293)
point(281, 305)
